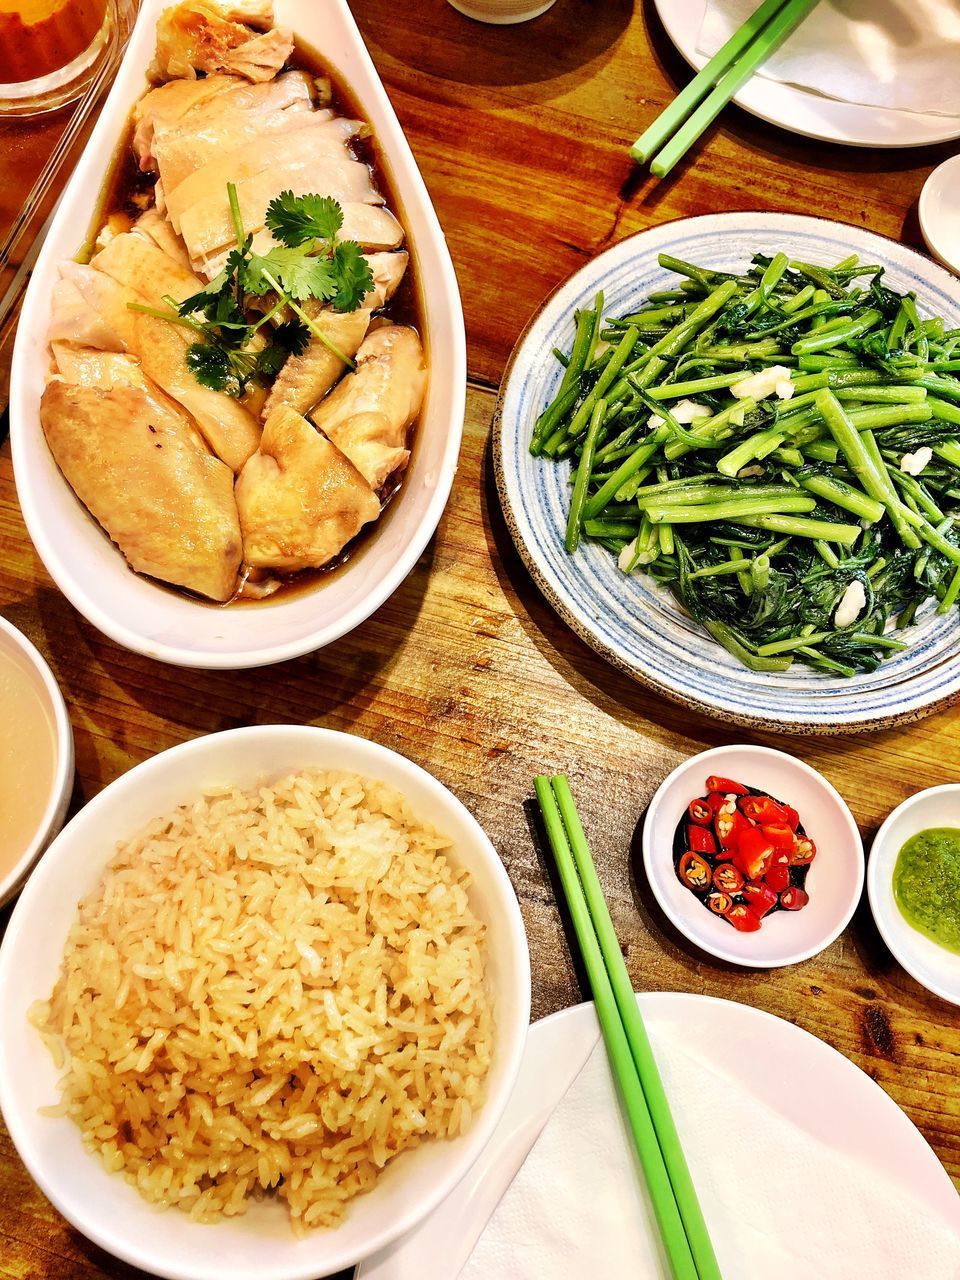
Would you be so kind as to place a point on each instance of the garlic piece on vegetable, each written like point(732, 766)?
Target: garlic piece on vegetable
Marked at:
point(626, 555)
point(685, 412)
point(785, 389)
point(851, 605)
point(913, 463)
point(759, 386)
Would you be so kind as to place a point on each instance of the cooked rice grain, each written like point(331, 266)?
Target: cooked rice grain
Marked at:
point(273, 991)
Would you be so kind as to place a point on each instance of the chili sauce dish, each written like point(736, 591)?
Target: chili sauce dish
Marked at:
point(913, 883)
point(239, 379)
point(753, 856)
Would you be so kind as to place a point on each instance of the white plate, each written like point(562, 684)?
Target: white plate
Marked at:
point(259, 1245)
point(636, 626)
point(939, 211)
point(806, 113)
point(834, 881)
point(933, 966)
point(834, 1101)
point(139, 613)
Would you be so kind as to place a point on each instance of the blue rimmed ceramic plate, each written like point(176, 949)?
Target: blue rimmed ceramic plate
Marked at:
point(636, 626)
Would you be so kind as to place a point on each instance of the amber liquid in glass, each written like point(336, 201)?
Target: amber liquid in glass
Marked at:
point(38, 37)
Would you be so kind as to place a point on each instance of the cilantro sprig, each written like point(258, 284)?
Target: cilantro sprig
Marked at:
point(309, 262)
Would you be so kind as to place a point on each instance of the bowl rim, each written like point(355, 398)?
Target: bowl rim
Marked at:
point(62, 781)
point(781, 960)
point(512, 1039)
point(880, 873)
point(929, 226)
point(444, 313)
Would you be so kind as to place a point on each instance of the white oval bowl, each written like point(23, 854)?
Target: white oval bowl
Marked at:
point(260, 1245)
point(933, 966)
point(834, 881)
point(16, 643)
point(139, 613)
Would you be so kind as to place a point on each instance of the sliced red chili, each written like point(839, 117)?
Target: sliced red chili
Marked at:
point(727, 878)
point(754, 853)
point(729, 827)
point(700, 812)
point(720, 903)
point(777, 877)
point(715, 800)
point(804, 851)
point(794, 898)
point(780, 834)
point(726, 785)
point(763, 809)
point(742, 918)
point(694, 871)
point(760, 898)
point(702, 840)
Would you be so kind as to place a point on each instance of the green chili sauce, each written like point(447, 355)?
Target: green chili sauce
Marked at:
point(926, 884)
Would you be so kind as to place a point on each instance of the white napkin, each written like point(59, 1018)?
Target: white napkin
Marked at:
point(899, 54)
point(577, 1208)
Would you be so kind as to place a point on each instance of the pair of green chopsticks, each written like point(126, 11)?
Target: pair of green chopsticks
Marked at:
point(634, 1067)
point(726, 72)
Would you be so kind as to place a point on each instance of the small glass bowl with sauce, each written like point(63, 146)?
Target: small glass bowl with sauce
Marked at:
point(913, 883)
point(36, 758)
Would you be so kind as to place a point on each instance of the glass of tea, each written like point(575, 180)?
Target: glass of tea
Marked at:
point(50, 50)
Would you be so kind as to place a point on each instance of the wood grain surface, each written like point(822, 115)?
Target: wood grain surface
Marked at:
point(521, 134)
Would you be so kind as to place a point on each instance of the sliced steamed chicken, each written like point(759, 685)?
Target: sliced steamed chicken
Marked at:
point(136, 462)
point(305, 378)
point(300, 500)
point(229, 427)
point(368, 413)
point(198, 38)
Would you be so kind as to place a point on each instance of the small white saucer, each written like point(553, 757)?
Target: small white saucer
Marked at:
point(834, 882)
point(933, 966)
point(939, 211)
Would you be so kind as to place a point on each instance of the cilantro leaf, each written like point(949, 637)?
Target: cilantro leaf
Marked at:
point(297, 220)
point(200, 300)
point(300, 275)
point(209, 364)
point(353, 275)
point(293, 336)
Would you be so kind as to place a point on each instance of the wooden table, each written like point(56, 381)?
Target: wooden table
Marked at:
point(521, 134)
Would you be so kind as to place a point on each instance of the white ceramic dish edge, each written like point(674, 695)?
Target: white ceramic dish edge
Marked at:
point(834, 899)
point(260, 1245)
point(59, 801)
point(151, 619)
point(931, 965)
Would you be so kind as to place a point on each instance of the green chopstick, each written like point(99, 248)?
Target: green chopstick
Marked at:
point(646, 1065)
point(670, 119)
point(765, 40)
point(662, 1193)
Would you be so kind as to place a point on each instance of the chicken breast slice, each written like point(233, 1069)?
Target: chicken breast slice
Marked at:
point(229, 427)
point(139, 263)
point(306, 378)
point(207, 225)
point(368, 412)
point(313, 144)
point(74, 319)
point(89, 368)
point(182, 151)
point(196, 38)
point(133, 461)
point(155, 227)
point(373, 227)
point(300, 500)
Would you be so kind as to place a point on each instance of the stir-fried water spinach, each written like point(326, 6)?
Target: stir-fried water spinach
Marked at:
point(780, 449)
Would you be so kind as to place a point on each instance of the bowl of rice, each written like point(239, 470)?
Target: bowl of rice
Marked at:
point(265, 1000)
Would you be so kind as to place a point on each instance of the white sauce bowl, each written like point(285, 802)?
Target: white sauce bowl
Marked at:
point(26, 655)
